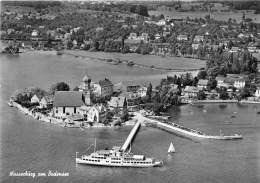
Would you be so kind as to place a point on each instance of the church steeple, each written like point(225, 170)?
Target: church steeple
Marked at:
point(86, 81)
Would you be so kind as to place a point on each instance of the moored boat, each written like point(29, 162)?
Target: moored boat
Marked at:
point(117, 157)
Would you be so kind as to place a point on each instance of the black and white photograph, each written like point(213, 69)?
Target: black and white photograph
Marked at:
point(130, 91)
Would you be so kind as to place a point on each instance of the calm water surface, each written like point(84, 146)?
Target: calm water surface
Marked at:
point(27, 144)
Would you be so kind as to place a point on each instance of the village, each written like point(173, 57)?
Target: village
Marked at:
point(103, 103)
point(130, 33)
point(229, 48)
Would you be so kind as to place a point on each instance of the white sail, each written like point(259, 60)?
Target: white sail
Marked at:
point(171, 148)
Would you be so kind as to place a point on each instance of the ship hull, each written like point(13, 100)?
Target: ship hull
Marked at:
point(121, 164)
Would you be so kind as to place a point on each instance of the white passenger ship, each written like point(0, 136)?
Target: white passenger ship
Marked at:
point(117, 158)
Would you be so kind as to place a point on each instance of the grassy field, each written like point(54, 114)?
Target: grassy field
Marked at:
point(216, 15)
point(174, 63)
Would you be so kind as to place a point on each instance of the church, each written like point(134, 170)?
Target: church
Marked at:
point(85, 88)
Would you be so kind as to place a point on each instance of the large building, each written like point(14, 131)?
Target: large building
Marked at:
point(104, 88)
point(67, 103)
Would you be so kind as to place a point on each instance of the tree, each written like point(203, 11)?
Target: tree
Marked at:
point(223, 95)
point(60, 86)
point(24, 96)
point(244, 93)
point(201, 95)
point(149, 92)
point(202, 74)
point(212, 84)
point(124, 117)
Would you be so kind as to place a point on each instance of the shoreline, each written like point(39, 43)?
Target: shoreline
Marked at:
point(113, 60)
point(59, 122)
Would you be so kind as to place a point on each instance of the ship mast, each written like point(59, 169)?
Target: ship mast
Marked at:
point(95, 145)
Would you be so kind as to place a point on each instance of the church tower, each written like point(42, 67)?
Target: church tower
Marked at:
point(86, 88)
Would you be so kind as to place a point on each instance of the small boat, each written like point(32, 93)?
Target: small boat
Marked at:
point(171, 148)
point(258, 112)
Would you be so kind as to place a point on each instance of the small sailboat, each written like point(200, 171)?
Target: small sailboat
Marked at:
point(171, 148)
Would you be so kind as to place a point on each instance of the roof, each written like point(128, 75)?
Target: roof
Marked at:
point(220, 78)
point(68, 99)
point(48, 98)
point(203, 82)
point(191, 89)
point(117, 101)
point(105, 82)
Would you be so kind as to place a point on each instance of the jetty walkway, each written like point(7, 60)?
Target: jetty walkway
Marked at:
point(184, 131)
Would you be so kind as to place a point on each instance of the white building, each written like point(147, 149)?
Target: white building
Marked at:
point(257, 92)
point(35, 33)
point(35, 99)
point(96, 114)
point(132, 35)
point(103, 88)
point(142, 91)
point(161, 22)
point(67, 103)
point(239, 83)
point(182, 37)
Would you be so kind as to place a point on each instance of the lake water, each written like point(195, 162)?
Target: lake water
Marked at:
point(27, 144)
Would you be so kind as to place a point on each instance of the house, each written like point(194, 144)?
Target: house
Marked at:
point(35, 33)
point(144, 36)
point(198, 38)
point(157, 36)
point(234, 49)
point(132, 99)
point(166, 33)
point(239, 83)
point(103, 88)
point(46, 102)
point(142, 91)
point(132, 86)
point(202, 84)
point(132, 35)
point(252, 49)
point(257, 92)
point(96, 114)
point(237, 80)
point(9, 31)
point(67, 102)
point(190, 92)
point(161, 22)
point(182, 37)
point(195, 46)
point(221, 82)
point(74, 42)
point(35, 99)
point(117, 103)
point(99, 29)
point(173, 88)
